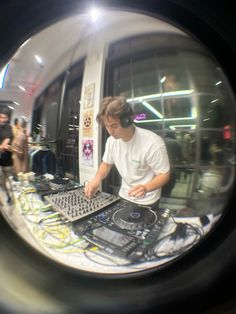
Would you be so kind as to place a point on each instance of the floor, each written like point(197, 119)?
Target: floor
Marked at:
point(31, 301)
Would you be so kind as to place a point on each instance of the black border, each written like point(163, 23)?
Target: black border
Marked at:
point(204, 280)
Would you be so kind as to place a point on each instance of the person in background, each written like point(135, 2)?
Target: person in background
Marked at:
point(19, 148)
point(139, 155)
point(170, 85)
point(6, 137)
point(15, 127)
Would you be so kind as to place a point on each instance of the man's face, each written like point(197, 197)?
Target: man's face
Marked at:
point(3, 118)
point(114, 128)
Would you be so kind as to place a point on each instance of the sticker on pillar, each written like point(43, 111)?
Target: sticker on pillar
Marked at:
point(87, 154)
point(89, 96)
point(88, 123)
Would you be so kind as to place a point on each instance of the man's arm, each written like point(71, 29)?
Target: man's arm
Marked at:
point(4, 144)
point(157, 182)
point(101, 174)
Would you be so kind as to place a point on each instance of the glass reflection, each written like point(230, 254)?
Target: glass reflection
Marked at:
point(54, 89)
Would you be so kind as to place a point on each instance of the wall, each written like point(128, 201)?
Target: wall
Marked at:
point(92, 86)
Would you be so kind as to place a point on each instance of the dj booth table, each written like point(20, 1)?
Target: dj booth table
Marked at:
point(120, 238)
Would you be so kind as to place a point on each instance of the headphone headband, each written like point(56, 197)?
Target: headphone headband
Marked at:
point(116, 107)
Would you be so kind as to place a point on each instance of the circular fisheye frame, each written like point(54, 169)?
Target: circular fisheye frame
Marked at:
point(51, 145)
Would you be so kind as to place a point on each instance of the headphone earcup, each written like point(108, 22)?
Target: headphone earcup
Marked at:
point(126, 117)
point(125, 122)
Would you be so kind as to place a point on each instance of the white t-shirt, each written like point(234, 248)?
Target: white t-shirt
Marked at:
point(138, 161)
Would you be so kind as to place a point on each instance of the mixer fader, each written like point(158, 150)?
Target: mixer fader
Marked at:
point(74, 205)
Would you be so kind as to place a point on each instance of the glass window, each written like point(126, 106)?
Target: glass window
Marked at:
point(177, 107)
point(121, 82)
point(212, 113)
point(180, 94)
point(144, 75)
point(68, 143)
point(204, 73)
point(212, 147)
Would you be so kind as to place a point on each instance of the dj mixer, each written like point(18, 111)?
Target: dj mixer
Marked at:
point(74, 205)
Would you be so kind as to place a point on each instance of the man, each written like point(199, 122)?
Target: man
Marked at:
point(6, 137)
point(139, 155)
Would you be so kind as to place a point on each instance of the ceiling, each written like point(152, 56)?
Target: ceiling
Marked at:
point(26, 74)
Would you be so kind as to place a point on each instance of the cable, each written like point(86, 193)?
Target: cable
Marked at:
point(185, 236)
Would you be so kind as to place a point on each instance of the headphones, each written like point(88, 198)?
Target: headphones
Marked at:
point(126, 116)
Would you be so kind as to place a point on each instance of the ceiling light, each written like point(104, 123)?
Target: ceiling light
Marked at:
point(163, 79)
point(189, 126)
point(94, 14)
point(153, 110)
point(163, 120)
point(22, 88)
point(156, 96)
point(39, 59)
point(178, 93)
point(214, 100)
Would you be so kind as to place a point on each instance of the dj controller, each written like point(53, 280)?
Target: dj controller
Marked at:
point(125, 230)
point(118, 227)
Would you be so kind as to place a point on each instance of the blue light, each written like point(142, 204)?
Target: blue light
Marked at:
point(3, 75)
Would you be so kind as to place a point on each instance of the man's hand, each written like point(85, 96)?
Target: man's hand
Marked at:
point(138, 191)
point(8, 147)
point(5, 147)
point(93, 185)
point(91, 188)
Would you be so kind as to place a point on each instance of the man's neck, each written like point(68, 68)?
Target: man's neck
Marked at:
point(129, 134)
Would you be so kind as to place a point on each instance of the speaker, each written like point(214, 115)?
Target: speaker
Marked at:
point(126, 116)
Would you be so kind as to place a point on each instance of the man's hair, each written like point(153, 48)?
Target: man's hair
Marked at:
point(22, 122)
point(115, 107)
point(4, 110)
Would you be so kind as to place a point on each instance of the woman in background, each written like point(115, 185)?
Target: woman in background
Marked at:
point(20, 148)
point(15, 127)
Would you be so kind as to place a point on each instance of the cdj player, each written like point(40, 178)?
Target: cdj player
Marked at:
point(45, 186)
point(125, 230)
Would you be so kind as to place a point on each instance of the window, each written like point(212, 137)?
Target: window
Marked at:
point(178, 92)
